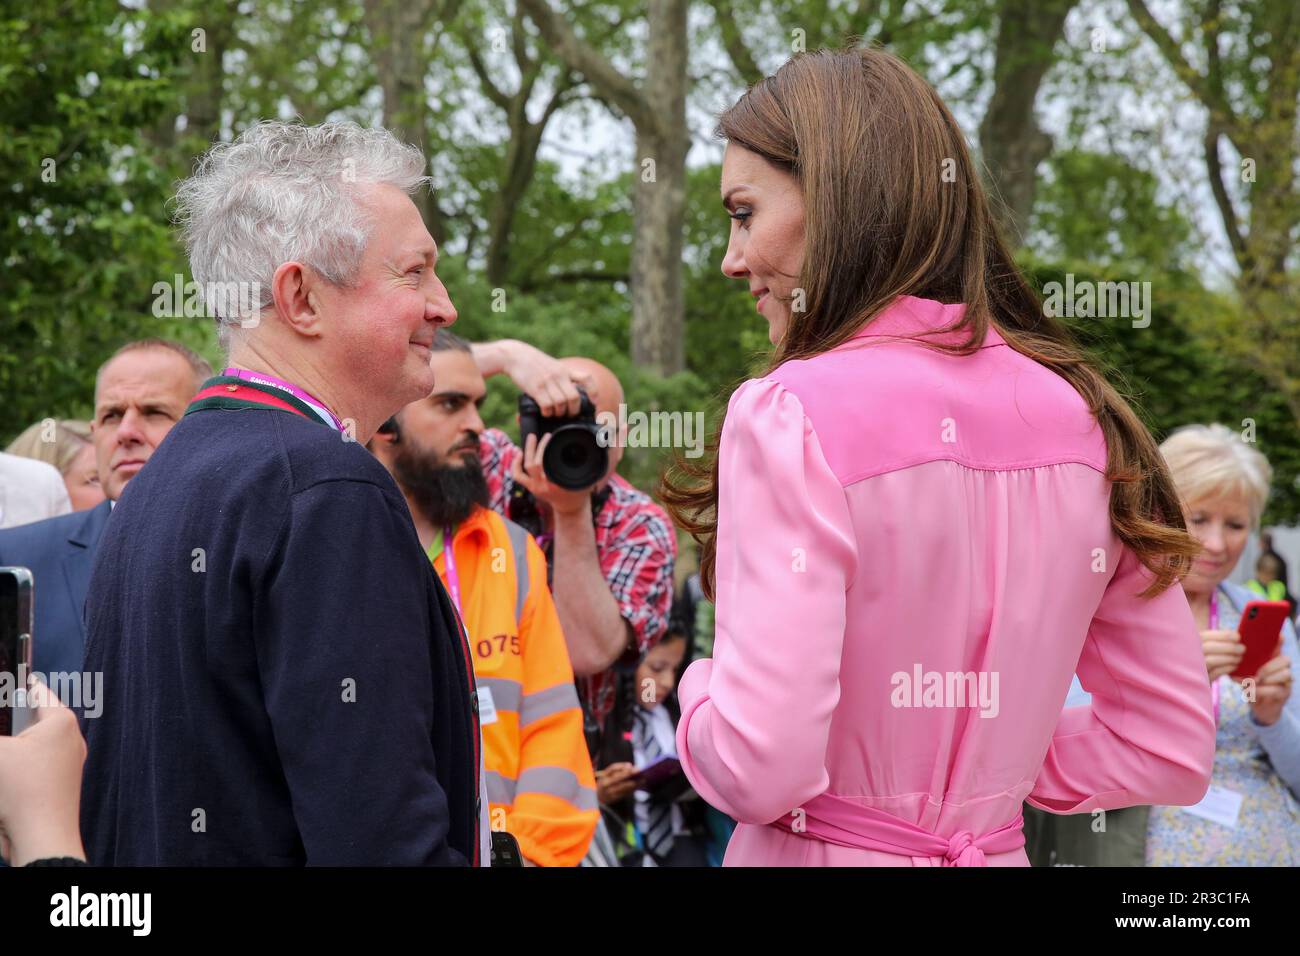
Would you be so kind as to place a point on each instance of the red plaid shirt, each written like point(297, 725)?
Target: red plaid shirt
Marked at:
point(636, 546)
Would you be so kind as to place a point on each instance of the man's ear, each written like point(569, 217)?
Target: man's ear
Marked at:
point(294, 290)
point(381, 446)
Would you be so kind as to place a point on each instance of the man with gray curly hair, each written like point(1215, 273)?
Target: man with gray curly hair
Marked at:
point(285, 682)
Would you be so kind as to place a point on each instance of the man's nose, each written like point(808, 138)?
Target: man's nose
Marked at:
point(131, 429)
point(438, 308)
point(474, 423)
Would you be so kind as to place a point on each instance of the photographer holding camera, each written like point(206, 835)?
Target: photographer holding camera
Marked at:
point(609, 547)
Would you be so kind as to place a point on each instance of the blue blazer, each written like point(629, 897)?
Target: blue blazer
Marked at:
point(60, 553)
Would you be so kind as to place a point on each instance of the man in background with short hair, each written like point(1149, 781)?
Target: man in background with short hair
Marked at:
point(140, 393)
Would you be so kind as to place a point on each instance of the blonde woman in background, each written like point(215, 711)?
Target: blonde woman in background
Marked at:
point(1251, 816)
point(66, 445)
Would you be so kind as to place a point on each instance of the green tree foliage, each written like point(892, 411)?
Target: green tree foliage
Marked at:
point(1097, 208)
point(1174, 376)
point(83, 230)
point(122, 102)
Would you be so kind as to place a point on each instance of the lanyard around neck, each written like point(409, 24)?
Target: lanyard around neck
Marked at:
point(1214, 626)
point(453, 577)
point(262, 378)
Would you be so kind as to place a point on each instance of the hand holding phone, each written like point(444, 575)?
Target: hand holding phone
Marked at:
point(1272, 690)
point(1222, 650)
point(40, 784)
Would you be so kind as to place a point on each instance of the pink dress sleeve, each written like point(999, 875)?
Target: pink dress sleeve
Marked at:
point(1147, 736)
point(756, 717)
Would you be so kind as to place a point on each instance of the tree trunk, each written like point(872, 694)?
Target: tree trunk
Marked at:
point(658, 111)
point(659, 203)
point(520, 162)
point(397, 34)
point(1264, 134)
point(1010, 140)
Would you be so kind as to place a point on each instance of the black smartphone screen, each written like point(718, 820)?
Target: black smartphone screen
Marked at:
point(505, 850)
point(15, 629)
point(8, 650)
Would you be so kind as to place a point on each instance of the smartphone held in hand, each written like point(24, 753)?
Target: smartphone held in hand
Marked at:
point(15, 648)
point(1260, 626)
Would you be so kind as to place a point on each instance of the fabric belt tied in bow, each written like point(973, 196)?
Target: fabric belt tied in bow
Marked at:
point(833, 819)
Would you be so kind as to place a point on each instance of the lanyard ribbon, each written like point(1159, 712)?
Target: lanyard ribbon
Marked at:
point(453, 579)
point(1214, 626)
point(232, 392)
point(262, 378)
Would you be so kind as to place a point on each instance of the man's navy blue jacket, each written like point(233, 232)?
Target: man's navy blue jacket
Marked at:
point(284, 679)
point(59, 552)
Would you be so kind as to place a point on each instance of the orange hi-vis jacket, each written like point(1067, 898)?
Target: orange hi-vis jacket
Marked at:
point(539, 779)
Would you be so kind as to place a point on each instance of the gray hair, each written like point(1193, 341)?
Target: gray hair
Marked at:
point(284, 192)
point(1208, 461)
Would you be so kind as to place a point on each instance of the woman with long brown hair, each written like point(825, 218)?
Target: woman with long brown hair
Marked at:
point(927, 513)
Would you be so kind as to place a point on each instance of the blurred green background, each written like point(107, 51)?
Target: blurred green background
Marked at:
point(1122, 144)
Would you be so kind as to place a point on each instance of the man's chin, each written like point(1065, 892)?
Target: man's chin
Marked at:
point(418, 383)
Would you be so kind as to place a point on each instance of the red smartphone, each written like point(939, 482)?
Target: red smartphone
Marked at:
point(1261, 623)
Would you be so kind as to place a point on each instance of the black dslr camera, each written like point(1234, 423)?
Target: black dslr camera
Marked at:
point(574, 458)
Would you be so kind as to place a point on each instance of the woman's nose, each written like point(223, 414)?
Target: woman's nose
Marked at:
point(1213, 539)
point(733, 263)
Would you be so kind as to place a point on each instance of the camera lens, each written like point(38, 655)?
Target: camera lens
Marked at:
point(574, 459)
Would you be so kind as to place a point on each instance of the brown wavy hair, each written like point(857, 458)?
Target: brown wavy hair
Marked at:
point(869, 141)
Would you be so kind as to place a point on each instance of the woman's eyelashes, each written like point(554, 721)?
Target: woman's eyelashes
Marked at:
point(741, 215)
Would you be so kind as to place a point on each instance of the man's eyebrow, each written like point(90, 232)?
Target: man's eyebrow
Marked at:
point(443, 396)
point(429, 253)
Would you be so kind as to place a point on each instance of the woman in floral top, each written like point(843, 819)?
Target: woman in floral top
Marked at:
point(1251, 816)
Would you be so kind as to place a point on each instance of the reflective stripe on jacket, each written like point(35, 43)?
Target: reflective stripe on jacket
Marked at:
point(540, 783)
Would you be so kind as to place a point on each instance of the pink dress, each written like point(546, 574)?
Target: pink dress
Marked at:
point(914, 556)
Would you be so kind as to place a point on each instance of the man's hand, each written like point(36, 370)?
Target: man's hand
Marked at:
point(536, 374)
point(528, 473)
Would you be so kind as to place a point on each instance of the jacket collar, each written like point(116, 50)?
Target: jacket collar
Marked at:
point(85, 533)
point(475, 524)
point(911, 317)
